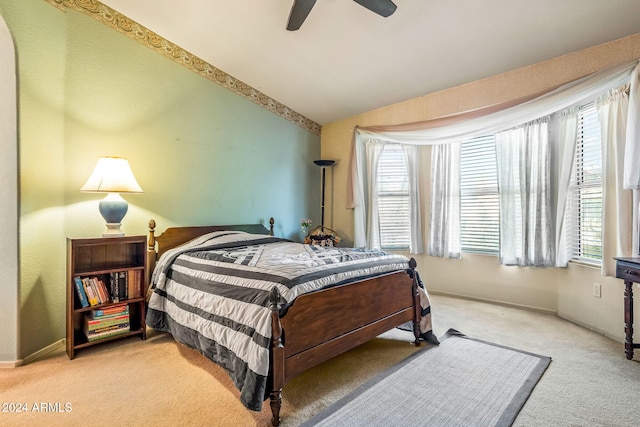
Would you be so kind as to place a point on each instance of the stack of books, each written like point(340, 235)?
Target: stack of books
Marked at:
point(107, 322)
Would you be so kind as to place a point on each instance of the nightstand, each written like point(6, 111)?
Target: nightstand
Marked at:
point(628, 269)
point(105, 290)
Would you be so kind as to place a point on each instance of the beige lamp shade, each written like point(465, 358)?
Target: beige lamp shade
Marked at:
point(112, 175)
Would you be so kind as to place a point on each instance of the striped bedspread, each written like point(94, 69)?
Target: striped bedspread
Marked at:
point(212, 294)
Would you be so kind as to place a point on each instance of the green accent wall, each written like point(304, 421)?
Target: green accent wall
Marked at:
point(202, 154)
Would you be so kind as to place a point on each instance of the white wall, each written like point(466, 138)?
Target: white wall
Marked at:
point(8, 201)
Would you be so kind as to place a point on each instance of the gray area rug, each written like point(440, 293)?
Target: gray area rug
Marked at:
point(461, 382)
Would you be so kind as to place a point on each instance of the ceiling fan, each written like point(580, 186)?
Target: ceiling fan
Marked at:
point(301, 8)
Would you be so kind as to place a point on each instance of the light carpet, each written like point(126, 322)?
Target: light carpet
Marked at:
point(461, 382)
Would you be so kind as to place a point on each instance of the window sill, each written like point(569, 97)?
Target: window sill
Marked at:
point(585, 264)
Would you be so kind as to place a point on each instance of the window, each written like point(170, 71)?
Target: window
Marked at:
point(585, 192)
point(393, 199)
point(479, 202)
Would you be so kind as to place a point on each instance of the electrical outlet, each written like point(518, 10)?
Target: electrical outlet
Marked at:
point(597, 290)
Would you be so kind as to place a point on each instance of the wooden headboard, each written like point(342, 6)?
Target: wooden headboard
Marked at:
point(175, 236)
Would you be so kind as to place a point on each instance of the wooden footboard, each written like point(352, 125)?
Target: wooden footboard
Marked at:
point(323, 324)
point(349, 310)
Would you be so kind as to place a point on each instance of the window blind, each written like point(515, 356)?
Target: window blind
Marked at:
point(479, 202)
point(585, 192)
point(393, 199)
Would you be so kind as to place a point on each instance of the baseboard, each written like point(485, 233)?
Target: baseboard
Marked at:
point(13, 364)
point(44, 351)
point(614, 337)
point(490, 301)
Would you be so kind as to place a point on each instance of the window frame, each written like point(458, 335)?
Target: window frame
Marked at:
point(393, 159)
point(589, 133)
point(479, 183)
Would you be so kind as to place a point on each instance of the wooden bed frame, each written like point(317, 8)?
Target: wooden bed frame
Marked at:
point(319, 325)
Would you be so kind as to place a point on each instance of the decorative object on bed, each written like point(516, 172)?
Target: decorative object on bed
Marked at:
point(266, 309)
point(305, 225)
point(112, 175)
point(500, 379)
point(322, 236)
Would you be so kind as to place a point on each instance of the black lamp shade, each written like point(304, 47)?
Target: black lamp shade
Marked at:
point(324, 163)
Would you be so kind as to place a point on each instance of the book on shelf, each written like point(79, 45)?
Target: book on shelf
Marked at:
point(125, 284)
point(107, 332)
point(103, 293)
point(113, 287)
point(96, 325)
point(114, 310)
point(139, 284)
point(82, 296)
point(91, 293)
point(96, 291)
point(134, 279)
point(119, 285)
point(122, 280)
point(107, 326)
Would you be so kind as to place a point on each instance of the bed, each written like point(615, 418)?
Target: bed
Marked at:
point(266, 309)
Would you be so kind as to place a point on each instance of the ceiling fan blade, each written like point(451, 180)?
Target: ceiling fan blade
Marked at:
point(383, 8)
point(299, 12)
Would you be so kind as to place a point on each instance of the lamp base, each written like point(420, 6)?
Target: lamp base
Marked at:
point(113, 230)
point(113, 208)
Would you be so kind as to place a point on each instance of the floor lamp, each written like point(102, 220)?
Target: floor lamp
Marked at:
point(323, 164)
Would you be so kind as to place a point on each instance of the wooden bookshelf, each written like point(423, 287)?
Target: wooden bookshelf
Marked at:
point(100, 258)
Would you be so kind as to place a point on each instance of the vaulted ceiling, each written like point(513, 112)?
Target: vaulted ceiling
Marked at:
point(346, 60)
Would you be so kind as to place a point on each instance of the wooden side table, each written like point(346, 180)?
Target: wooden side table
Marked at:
point(99, 258)
point(628, 269)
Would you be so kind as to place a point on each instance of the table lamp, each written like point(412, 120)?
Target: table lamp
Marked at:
point(112, 175)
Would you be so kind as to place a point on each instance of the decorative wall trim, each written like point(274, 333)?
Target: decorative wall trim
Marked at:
point(139, 33)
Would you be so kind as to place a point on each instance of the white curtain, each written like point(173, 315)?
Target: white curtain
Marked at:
point(632, 144)
point(415, 214)
point(358, 193)
point(367, 230)
point(524, 167)
point(444, 236)
point(490, 120)
point(618, 211)
point(373, 152)
point(497, 118)
point(567, 139)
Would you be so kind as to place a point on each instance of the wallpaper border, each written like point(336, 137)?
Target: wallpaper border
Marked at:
point(143, 35)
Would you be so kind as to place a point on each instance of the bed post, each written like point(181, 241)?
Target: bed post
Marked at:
point(277, 356)
point(151, 253)
point(416, 301)
point(271, 222)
